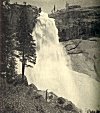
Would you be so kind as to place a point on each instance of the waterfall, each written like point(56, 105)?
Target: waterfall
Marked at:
point(52, 70)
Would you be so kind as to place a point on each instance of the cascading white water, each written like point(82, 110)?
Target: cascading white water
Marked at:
point(52, 68)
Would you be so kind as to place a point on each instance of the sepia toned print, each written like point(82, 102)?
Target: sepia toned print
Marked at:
point(49, 58)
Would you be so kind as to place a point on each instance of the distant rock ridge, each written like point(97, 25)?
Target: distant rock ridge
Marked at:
point(77, 22)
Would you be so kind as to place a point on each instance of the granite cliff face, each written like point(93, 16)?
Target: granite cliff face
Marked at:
point(13, 12)
point(77, 22)
point(85, 56)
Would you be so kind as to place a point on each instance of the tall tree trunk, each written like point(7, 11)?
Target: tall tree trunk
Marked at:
point(23, 66)
point(23, 70)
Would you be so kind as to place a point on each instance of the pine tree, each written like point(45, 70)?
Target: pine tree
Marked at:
point(25, 43)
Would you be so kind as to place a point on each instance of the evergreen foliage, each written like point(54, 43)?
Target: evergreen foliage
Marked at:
point(25, 44)
point(8, 63)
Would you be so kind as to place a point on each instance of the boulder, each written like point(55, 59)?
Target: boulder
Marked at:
point(33, 86)
point(61, 100)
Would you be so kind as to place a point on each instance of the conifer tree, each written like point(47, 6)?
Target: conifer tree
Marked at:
point(25, 43)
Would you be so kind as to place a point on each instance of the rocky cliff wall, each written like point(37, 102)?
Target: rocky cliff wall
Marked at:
point(85, 56)
point(13, 12)
point(77, 22)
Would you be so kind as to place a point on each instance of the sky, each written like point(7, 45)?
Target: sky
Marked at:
point(47, 5)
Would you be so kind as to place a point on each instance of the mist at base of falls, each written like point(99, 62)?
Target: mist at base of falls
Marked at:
point(53, 68)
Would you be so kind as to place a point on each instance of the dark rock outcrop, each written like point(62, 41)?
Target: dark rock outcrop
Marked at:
point(33, 86)
point(61, 100)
